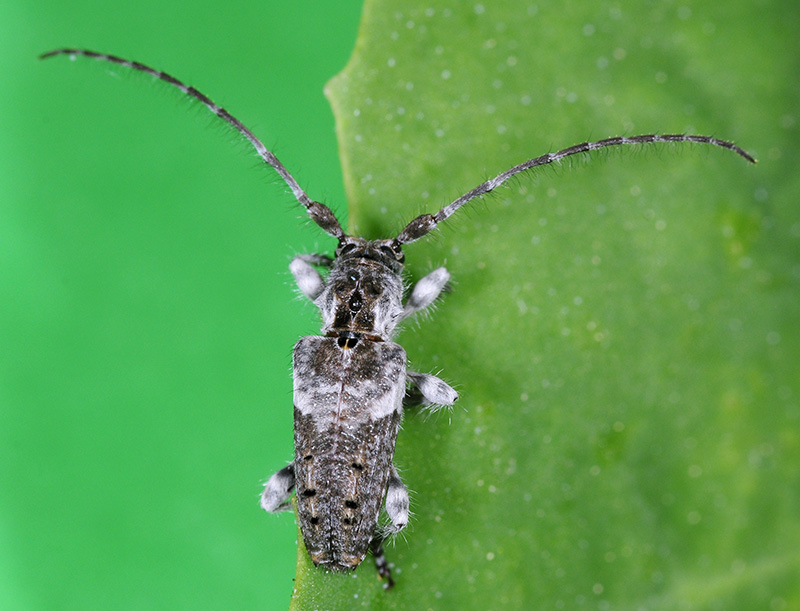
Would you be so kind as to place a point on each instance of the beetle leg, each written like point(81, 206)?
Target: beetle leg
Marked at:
point(396, 502)
point(278, 489)
point(426, 291)
point(384, 572)
point(306, 276)
point(427, 390)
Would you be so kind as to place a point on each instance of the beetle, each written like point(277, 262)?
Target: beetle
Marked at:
point(351, 383)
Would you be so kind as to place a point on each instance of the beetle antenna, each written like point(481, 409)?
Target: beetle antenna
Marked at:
point(319, 213)
point(425, 223)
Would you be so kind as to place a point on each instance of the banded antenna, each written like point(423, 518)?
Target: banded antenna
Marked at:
point(425, 223)
point(318, 212)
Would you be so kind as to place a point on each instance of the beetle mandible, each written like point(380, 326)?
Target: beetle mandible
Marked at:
point(351, 383)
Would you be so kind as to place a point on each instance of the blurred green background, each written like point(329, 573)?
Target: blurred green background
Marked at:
point(147, 313)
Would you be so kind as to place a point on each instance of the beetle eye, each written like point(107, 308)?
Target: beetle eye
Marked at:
point(393, 250)
point(347, 249)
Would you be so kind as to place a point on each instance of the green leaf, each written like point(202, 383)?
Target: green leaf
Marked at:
point(623, 329)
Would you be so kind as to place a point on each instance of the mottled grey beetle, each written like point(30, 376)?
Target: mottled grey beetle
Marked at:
point(351, 383)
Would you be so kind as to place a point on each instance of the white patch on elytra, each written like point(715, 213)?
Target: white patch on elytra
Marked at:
point(343, 393)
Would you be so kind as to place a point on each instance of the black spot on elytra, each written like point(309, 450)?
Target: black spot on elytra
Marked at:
point(309, 492)
point(314, 520)
point(351, 504)
point(347, 521)
point(308, 457)
point(357, 466)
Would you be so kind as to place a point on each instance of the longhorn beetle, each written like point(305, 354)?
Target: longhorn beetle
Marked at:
point(351, 382)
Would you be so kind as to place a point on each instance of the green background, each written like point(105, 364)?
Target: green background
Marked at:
point(147, 313)
point(624, 333)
